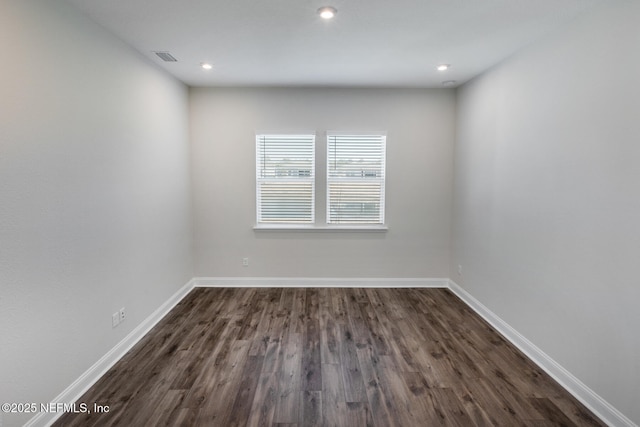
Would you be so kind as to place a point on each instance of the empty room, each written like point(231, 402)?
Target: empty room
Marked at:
point(310, 213)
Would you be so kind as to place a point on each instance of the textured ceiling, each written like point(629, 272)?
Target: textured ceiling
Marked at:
point(370, 43)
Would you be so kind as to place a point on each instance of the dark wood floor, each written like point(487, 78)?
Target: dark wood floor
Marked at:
point(327, 357)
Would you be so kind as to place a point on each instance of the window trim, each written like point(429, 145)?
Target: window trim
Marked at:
point(322, 226)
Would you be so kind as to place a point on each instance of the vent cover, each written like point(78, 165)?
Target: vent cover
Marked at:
point(166, 56)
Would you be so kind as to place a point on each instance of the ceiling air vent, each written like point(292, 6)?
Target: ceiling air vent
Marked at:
point(166, 56)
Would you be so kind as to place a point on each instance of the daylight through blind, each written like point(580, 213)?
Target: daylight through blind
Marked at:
point(285, 178)
point(355, 179)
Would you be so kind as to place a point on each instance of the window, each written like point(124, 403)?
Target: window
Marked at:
point(285, 179)
point(355, 179)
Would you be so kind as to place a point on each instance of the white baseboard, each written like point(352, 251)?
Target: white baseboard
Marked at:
point(92, 375)
point(573, 385)
point(320, 282)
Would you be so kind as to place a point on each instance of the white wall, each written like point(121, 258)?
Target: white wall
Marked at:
point(547, 200)
point(420, 126)
point(94, 195)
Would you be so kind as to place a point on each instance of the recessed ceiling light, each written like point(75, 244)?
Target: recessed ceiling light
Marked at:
point(327, 12)
point(449, 83)
point(443, 67)
point(206, 66)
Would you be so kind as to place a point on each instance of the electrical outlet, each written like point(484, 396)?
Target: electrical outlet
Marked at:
point(245, 262)
point(459, 269)
point(123, 314)
point(115, 319)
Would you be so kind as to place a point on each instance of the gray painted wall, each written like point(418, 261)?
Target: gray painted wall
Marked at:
point(547, 201)
point(420, 127)
point(94, 195)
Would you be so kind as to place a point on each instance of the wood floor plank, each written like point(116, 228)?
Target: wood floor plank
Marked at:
point(402, 409)
point(289, 382)
point(378, 395)
point(248, 384)
point(549, 410)
point(329, 331)
point(334, 406)
point(376, 331)
point(264, 401)
point(251, 320)
point(338, 306)
point(311, 410)
point(358, 414)
point(167, 412)
point(451, 407)
point(278, 332)
point(297, 310)
point(311, 358)
point(354, 389)
point(488, 399)
point(421, 398)
point(398, 349)
point(330, 357)
point(189, 368)
point(216, 410)
point(359, 328)
point(266, 324)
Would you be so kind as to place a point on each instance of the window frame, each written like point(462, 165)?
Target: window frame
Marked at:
point(317, 181)
point(311, 179)
point(363, 179)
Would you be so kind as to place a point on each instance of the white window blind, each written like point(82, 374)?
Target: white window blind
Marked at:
point(355, 179)
point(285, 171)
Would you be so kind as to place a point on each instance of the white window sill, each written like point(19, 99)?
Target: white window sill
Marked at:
point(321, 228)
